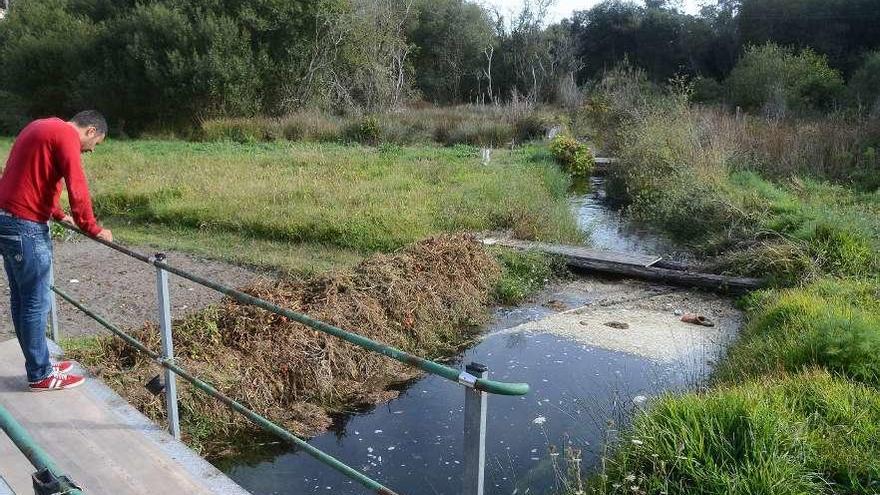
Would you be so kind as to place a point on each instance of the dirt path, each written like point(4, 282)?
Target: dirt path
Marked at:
point(122, 288)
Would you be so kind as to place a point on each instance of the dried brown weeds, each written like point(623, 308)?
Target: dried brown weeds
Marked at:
point(425, 299)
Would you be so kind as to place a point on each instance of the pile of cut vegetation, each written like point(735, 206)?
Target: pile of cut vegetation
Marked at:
point(426, 299)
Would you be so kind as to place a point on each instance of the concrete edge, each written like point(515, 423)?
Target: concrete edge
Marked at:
point(5, 489)
point(201, 470)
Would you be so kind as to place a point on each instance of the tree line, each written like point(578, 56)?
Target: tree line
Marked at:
point(167, 63)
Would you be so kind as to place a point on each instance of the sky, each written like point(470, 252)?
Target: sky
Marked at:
point(564, 8)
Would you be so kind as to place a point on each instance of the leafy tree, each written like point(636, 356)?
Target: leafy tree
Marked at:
point(161, 62)
point(840, 29)
point(451, 37)
point(865, 84)
point(778, 79)
point(170, 64)
point(43, 51)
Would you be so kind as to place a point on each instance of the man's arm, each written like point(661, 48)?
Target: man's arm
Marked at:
point(59, 216)
point(67, 156)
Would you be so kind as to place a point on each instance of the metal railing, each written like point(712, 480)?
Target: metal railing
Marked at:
point(48, 478)
point(474, 378)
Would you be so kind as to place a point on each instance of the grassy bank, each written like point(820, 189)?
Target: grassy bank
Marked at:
point(477, 125)
point(306, 207)
point(794, 407)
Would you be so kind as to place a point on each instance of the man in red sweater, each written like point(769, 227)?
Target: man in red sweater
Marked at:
point(44, 153)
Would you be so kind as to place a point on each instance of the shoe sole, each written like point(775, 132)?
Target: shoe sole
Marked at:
point(66, 387)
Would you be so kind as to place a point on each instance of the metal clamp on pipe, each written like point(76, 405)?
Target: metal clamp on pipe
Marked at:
point(467, 379)
point(160, 257)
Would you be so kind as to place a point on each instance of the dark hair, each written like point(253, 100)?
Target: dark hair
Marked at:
point(91, 118)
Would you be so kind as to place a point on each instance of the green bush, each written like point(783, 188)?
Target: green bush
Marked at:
point(44, 47)
point(575, 156)
point(158, 64)
point(777, 79)
point(707, 90)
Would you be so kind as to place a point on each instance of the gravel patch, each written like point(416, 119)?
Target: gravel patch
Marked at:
point(123, 289)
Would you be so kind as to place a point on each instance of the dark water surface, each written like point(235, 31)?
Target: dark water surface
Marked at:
point(414, 444)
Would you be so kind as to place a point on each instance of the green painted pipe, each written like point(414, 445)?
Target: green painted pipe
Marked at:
point(36, 455)
point(254, 418)
point(490, 386)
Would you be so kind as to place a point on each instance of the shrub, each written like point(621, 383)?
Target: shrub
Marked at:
point(707, 90)
point(13, 115)
point(240, 130)
point(156, 64)
point(365, 131)
point(486, 133)
point(529, 127)
point(777, 79)
point(575, 156)
point(865, 84)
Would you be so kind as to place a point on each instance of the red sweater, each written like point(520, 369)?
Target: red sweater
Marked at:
point(46, 151)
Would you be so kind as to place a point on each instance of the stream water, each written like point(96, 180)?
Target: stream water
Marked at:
point(580, 396)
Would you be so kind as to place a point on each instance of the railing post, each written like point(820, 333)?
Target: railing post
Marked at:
point(53, 304)
point(167, 348)
point(475, 402)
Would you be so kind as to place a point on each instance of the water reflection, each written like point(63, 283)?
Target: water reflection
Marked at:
point(608, 229)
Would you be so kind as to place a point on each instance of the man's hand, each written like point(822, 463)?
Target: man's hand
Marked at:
point(68, 219)
point(105, 235)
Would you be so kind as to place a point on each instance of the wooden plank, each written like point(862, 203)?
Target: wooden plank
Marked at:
point(88, 434)
point(579, 252)
point(604, 161)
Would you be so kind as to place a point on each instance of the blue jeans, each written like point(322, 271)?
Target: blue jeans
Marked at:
point(27, 257)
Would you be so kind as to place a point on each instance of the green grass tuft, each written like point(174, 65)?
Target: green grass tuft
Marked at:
point(523, 274)
point(808, 433)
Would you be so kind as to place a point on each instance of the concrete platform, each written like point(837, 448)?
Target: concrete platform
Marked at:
point(100, 441)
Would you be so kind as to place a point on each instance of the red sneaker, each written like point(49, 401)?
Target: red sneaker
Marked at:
point(63, 366)
point(57, 381)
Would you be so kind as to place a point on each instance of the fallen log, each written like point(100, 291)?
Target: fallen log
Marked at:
point(718, 283)
point(638, 266)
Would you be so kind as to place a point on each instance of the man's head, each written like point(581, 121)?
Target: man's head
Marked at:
point(92, 128)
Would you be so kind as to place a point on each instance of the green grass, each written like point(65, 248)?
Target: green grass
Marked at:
point(805, 434)
point(833, 324)
point(304, 207)
point(523, 274)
